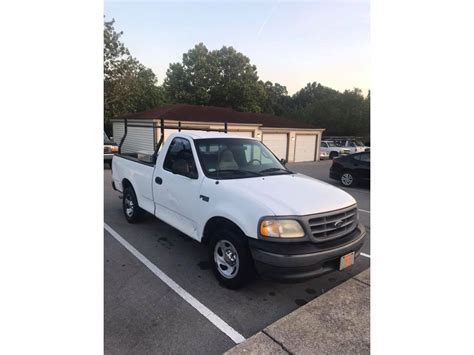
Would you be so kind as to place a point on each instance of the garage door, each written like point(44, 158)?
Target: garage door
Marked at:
point(305, 147)
point(277, 143)
point(241, 133)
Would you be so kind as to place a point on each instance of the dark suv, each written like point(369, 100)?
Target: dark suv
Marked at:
point(351, 169)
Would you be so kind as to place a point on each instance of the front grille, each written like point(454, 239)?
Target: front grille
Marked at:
point(334, 224)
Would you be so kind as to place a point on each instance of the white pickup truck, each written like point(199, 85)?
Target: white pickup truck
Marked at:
point(234, 195)
point(355, 146)
point(331, 150)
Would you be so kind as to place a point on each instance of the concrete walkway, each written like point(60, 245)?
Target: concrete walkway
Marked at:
point(337, 322)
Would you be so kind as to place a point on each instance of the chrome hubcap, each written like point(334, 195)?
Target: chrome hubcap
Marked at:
point(128, 206)
point(346, 179)
point(226, 259)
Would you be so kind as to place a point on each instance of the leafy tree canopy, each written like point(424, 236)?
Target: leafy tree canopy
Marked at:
point(224, 77)
point(129, 86)
point(346, 113)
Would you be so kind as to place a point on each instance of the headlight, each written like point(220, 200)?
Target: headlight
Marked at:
point(114, 149)
point(281, 228)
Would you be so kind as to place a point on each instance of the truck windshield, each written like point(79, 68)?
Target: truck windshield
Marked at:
point(236, 158)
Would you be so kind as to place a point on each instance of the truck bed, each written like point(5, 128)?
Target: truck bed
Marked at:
point(134, 157)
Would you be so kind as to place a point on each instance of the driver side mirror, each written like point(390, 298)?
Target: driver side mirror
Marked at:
point(283, 161)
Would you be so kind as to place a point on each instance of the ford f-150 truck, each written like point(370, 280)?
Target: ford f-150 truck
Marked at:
point(232, 194)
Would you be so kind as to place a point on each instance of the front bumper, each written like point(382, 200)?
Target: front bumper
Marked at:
point(300, 261)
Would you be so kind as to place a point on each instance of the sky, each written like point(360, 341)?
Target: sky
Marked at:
point(291, 43)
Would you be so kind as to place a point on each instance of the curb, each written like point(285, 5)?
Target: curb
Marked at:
point(338, 321)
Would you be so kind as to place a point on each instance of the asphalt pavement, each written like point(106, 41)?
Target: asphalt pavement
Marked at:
point(144, 315)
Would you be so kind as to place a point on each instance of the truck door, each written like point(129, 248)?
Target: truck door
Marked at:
point(324, 147)
point(176, 186)
point(352, 146)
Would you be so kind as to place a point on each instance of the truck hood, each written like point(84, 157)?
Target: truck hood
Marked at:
point(294, 194)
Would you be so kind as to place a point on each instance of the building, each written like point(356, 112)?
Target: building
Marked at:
point(289, 139)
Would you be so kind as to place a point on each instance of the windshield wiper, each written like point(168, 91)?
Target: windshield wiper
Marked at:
point(236, 171)
point(275, 169)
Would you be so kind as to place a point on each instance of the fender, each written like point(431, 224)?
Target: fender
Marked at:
point(245, 218)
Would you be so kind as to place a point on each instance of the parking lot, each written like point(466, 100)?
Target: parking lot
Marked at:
point(144, 314)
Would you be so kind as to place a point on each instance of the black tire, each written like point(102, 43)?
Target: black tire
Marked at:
point(235, 241)
point(332, 155)
point(348, 179)
point(133, 213)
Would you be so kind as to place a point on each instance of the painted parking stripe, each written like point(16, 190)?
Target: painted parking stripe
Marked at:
point(364, 211)
point(206, 312)
point(366, 255)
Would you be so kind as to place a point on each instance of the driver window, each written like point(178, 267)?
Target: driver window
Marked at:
point(179, 158)
point(255, 155)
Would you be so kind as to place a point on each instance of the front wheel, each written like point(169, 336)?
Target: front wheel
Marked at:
point(348, 179)
point(332, 155)
point(230, 258)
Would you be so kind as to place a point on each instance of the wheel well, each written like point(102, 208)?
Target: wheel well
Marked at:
point(218, 222)
point(126, 183)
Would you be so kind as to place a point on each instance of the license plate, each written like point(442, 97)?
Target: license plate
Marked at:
point(346, 261)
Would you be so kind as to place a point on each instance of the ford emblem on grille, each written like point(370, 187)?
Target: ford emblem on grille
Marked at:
point(338, 223)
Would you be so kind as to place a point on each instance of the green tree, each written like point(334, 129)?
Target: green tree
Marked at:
point(277, 101)
point(222, 77)
point(129, 86)
point(346, 113)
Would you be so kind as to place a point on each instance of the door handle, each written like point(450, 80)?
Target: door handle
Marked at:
point(158, 180)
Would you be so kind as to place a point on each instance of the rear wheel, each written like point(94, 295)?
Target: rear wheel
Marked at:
point(230, 258)
point(348, 179)
point(133, 213)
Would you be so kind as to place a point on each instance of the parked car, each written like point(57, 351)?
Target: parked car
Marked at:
point(354, 145)
point(233, 194)
point(351, 169)
point(332, 150)
point(110, 148)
